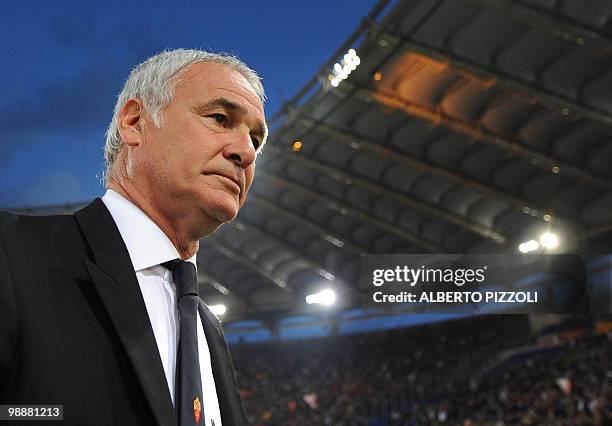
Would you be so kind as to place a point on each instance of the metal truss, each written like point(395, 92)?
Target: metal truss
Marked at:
point(479, 229)
point(350, 210)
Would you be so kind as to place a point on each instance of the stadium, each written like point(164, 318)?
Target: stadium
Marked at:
point(438, 128)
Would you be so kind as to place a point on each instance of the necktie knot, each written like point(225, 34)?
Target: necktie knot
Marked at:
point(185, 277)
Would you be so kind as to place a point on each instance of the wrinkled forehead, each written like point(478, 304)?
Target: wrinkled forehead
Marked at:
point(209, 78)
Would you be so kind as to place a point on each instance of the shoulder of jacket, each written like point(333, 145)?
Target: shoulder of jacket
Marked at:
point(20, 226)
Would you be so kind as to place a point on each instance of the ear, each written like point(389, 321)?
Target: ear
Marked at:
point(130, 122)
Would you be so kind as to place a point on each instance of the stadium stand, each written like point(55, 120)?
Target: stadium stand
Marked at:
point(451, 373)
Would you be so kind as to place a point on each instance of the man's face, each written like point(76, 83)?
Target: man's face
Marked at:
point(199, 165)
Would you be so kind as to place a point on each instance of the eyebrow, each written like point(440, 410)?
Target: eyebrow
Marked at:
point(260, 128)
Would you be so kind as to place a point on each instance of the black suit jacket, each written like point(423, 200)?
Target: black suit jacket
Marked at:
point(74, 329)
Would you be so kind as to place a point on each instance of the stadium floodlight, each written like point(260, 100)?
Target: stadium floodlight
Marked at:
point(529, 246)
point(549, 240)
point(342, 69)
point(218, 310)
point(324, 297)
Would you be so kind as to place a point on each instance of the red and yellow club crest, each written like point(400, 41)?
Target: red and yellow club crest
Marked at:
point(197, 409)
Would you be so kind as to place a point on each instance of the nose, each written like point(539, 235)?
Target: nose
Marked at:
point(240, 149)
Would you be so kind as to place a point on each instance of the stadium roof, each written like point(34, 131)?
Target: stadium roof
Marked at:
point(464, 126)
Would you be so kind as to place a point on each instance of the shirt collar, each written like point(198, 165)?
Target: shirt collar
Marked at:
point(146, 243)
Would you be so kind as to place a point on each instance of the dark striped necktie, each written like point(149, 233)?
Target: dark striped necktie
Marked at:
point(188, 394)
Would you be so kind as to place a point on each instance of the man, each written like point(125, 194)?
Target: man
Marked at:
point(88, 303)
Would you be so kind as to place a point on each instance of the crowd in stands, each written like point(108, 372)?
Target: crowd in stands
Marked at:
point(451, 373)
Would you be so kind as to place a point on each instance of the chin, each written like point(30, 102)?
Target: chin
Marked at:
point(213, 219)
point(222, 207)
point(224, 216)
point(224, 212)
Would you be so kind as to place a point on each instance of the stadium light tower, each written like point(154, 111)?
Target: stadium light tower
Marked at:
point(324, 297)
point(529, 246)
point(549, 240)
point(350, 61)
point(218, 310)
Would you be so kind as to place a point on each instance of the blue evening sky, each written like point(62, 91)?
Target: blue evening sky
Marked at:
point(65, 61)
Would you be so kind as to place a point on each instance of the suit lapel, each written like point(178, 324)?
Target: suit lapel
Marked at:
point(113, 277)
point(232, 410)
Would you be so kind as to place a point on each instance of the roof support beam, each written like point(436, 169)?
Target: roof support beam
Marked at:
point(324, 234)
point(471, 129)
point(298, 254)
point(358, 213)
point(231, 254)
point(343, 241)
point(553, 24)
point(206, 279)
point(479, 229)
point(547, 98)
point(438, 118)
point(595, 231)
point(515, 202)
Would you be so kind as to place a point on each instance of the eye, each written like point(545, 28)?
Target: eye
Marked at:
point(220, 118)
point(256, 143)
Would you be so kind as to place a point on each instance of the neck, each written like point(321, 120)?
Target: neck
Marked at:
point(185, 244)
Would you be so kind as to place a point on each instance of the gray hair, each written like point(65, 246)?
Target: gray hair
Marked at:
point(153, 82)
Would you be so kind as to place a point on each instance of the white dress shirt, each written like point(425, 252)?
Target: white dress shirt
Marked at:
point(148, 248)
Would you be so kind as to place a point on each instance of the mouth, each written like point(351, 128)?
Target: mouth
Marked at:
point(231, 183)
